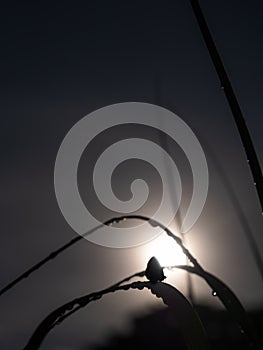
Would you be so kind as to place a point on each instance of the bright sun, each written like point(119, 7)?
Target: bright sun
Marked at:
point(166, 250)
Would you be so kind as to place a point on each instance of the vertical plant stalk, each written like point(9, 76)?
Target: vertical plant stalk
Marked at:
point(248, 233)
point(232, 101)
point(174, 197)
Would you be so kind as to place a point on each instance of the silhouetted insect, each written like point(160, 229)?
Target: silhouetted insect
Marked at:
point(154, 271)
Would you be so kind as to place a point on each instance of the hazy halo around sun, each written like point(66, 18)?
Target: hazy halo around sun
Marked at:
point(166, 250)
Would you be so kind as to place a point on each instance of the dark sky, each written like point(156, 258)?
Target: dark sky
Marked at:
point(60, 62)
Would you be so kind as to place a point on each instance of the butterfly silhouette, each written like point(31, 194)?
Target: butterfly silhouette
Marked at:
point(154, 271)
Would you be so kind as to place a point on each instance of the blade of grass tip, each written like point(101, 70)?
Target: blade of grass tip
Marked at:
point(231, 303)
point(42, 262)
point(58, 251)
point(55, 253)
point(73, 241)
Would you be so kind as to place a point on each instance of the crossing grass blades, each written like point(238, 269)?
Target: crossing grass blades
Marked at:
point(191, 327)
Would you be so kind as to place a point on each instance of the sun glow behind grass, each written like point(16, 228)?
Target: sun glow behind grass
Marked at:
point(166, 250)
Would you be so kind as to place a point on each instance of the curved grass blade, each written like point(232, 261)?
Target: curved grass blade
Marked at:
point(72, 242)
point(190, 324)
point(231, 303)
point(57, 316)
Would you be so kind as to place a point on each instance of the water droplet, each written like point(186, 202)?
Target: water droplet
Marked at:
point(214, 293)
point(140, 286)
